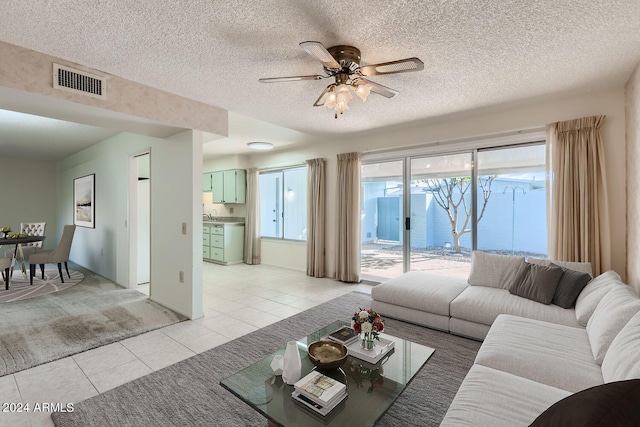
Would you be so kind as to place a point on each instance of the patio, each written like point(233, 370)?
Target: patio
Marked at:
point(383, 260)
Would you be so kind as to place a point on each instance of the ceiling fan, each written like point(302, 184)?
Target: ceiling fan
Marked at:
point(343, 63)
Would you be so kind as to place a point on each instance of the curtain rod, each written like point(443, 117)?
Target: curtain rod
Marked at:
point(441, 142)
point(277, 168)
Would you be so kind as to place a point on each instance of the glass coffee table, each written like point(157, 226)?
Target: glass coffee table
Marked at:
point(371, 389)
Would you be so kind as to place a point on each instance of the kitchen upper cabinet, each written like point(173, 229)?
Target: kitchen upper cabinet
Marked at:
point(206, 182)
point(229, 186)
point(217, 186)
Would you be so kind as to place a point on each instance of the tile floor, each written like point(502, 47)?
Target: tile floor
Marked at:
point(267, 294)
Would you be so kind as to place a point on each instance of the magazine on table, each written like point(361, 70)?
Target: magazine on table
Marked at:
point(345, 335)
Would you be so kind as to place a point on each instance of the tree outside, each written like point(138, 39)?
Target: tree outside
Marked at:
point(452, 195)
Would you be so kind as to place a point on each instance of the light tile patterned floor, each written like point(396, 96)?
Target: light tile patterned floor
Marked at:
point(238, 299)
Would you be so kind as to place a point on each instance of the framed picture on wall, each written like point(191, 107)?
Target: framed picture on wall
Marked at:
point(84, 189)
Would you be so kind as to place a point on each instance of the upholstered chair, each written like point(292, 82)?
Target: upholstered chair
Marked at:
point(5, 263)
point(30, 229)
point(56, 256)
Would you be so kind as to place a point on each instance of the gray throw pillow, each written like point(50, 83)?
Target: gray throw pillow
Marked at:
point(569, 287)
point(536, 282)
point(583, 267)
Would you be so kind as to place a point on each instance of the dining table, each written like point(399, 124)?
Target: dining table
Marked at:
point(17, 243)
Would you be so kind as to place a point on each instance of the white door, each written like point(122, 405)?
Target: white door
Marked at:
point(144, 227)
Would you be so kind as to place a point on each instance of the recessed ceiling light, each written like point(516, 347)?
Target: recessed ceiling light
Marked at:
point(260, 145)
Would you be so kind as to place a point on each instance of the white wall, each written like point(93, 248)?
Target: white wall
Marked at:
point(176, 193)
point(29, 195)
point(105, 249)
point(534, 114)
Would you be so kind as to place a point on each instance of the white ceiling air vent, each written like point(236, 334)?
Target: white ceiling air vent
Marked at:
point(78, 81)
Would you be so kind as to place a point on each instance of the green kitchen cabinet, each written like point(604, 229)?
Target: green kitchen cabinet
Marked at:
point(206, 182)
point(229, 186)
point(223, 243)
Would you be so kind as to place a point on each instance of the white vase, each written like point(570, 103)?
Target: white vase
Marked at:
point(292, 365)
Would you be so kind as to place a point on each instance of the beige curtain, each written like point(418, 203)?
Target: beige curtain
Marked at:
point(252, 222)
point(348, 218)
point(579, 213)
point(316, 217)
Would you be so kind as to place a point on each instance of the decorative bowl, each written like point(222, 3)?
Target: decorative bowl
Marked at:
point(327, 354)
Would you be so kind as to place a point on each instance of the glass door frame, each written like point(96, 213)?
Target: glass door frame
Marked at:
point(510, 141)
point(406, 195)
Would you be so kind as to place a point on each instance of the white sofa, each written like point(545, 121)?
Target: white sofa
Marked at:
point(535, 357)
point(467, 307)
point(526, 366)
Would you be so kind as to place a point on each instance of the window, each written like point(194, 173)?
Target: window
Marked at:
point(283, 204)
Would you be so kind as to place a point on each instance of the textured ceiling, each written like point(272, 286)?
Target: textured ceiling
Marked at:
point(476, 53)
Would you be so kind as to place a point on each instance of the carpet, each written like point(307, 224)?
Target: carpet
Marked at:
point(20, 287)
point(93, 313)
point(188, 393)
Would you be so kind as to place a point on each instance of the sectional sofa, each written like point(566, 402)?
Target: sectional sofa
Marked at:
point(468, 307)
point(538, 360)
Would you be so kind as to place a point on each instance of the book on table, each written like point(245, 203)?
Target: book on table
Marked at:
point(314, 406)
point(319, 392)
point(345, 335)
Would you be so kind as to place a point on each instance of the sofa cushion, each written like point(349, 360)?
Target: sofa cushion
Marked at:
point(489, 397)
point(556, 355)
point(569, 287)
point(536, 282)
point(583, 267)
point(496, 271)
point(613, 312)
point(411, 315)
point(482, 305)
point(613, 404)
point(591, 295)
point(419, 290)
point(621, 361)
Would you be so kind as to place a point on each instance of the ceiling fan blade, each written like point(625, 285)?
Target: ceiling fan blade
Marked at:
point(393, 67)
point(320, 101)
point(291, 78)
point(387, 92)
point(318, 51)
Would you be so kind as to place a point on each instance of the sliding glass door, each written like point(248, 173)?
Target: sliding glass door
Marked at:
point(382, 226)
point(441, 214)
point(490, 199)
point(513, 221)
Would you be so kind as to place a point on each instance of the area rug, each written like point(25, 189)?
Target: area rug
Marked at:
point(93, 313)
point(188, 393)
point(21, 288)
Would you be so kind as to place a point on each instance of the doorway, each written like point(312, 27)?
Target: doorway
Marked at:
point(140, 222)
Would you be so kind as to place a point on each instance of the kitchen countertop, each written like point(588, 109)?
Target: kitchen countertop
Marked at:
point(223, 220)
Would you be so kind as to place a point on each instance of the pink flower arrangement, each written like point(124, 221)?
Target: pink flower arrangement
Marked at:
point(368, 322)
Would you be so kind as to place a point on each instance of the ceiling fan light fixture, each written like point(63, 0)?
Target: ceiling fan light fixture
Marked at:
point(343, 96)
point(259, 145)
point(342, 62)
point(338, 98)
point(362, 90)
